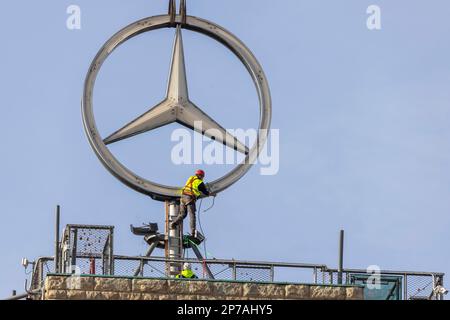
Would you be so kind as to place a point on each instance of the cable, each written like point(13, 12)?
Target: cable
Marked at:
point(214, 201)
point(194, 244)
point(201, 228)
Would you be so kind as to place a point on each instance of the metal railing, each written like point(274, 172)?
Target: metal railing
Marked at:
point(221, 269)
point(86, 249)
point(410, 285)
point(41, 267)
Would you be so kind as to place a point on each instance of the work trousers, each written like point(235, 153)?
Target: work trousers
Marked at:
point(187, 204)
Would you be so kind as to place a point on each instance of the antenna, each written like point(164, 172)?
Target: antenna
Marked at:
point(341, 256)
point(57, 243)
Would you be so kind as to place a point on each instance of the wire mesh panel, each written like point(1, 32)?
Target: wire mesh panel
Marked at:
point(90, 241)
point(42, 267)
point(200, 269)
point(127, 267)
point(419, 287)
point(88, 265)
point(253, 274)
point(222, 271)
point(299, 275)
point(87, 249)
point(139, 268)
point(153, 270)
point(330, 277)
point(155, 267)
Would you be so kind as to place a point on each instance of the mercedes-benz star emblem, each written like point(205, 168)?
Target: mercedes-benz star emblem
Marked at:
point(176, 107)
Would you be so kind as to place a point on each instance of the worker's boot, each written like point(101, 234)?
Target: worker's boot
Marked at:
point(197, 235)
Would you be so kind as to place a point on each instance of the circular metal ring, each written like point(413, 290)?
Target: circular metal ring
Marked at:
point(154, 190)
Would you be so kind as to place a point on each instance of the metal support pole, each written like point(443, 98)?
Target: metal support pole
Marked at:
point(405, 287)
point(40, 272)
point(73, 254)
point(174, 240)
point(151, 249)
point(272, 273)
point(183, 11)
point(172, 13)
point(111, 252)
point(92, 265)
point(57, 245)
point(434, 295)
point(140, 269)
point(315, 275)
point(21, 296)
point(341, 257)
point(200, 258)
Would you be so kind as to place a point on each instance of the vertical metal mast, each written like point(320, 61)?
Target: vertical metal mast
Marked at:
point(341, 256)
point(57, 244)
point(176, 89)
point(174, 242)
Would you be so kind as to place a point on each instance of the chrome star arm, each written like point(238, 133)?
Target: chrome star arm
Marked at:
point(165, 112)
point(177, 88)
point(187, 112)
point(161, 115)
point(194, 118)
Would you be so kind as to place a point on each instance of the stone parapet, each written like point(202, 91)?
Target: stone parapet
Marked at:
point(64, 287)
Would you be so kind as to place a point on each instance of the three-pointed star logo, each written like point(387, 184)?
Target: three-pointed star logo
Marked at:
point(177, 107)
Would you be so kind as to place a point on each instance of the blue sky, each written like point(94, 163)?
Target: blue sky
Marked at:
point(363, 118)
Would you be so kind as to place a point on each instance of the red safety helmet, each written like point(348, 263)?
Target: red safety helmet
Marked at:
point(200, 173)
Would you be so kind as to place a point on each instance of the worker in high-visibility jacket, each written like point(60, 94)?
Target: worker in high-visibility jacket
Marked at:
point(193, 189)
point(187, 272)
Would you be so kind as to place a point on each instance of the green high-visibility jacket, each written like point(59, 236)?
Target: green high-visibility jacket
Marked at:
point(187, 274)
point(192, 185)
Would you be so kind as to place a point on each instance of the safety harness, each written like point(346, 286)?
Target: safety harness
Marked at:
point(189, 187)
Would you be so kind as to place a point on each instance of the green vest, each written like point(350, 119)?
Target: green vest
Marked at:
point(188, 274)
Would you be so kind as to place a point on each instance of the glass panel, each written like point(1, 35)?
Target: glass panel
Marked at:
point(389, 287)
